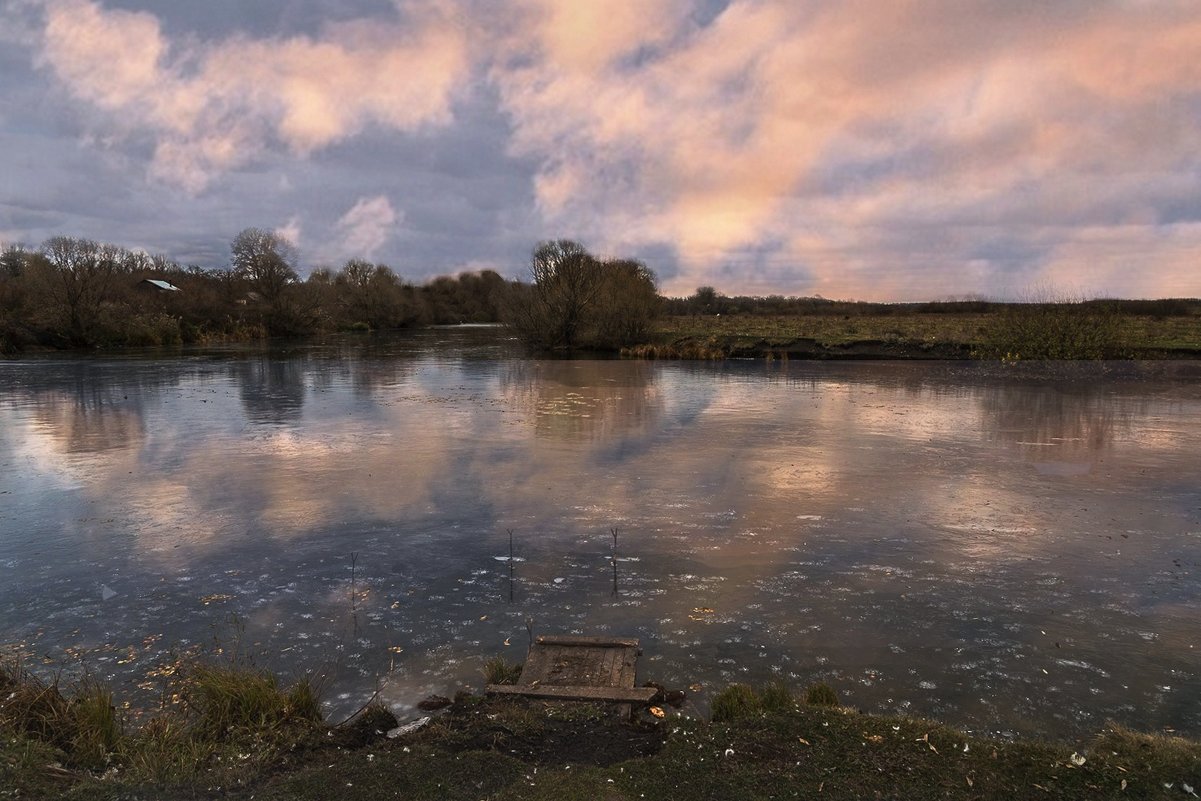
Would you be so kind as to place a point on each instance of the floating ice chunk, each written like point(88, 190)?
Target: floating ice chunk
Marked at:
point(408, 728)
point(107, 592)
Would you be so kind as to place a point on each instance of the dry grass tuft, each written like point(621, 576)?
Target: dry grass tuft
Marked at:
point(499, 670)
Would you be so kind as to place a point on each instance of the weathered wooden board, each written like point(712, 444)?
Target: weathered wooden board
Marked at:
point(600, 642)
point(626, 695)
point(580, 668)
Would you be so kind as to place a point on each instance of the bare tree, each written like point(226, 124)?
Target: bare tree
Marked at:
point(567, 281)
point(267, 261)
point(372, 295)
point(576, 300)
point(704, 301)
point(627, 304)
point(79, 277)
point(12, 261)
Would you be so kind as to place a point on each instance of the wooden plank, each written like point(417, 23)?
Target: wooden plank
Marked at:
point(567, 666)
point(627, 695)
point(611, 671)
point(594, 642)
point(625, 677)
point(580, 668)
point(536, 664)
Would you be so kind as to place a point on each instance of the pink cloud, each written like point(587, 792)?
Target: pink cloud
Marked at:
point(975, 116)
point(905, 149)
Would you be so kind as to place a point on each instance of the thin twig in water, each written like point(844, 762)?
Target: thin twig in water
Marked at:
point(374, 695)
point(510, 565)
point(614, 559)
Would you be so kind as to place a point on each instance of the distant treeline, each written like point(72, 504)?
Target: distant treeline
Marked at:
point(707, 300)
point(73, 292)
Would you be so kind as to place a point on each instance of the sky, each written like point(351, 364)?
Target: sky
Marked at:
point(866, 149)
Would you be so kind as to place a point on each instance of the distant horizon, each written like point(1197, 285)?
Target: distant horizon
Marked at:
point(883, 152)
point(1036, 295)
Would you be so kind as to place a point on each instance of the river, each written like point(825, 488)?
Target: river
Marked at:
point(1010, 548)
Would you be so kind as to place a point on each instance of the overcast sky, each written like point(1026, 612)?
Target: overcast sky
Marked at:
point(869, 149)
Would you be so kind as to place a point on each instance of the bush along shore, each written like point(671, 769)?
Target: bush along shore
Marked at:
point(233, 731)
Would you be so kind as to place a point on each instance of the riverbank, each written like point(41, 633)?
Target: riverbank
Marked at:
point(238, 733)
point(1047, 331)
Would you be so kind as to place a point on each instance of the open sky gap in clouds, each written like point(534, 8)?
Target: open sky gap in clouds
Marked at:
point(886, 151)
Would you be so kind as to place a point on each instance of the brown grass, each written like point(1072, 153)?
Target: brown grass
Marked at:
point(1066, 330)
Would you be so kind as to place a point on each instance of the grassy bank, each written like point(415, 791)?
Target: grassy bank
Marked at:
point(237, 732)
point(996, 331)
point(219, 724)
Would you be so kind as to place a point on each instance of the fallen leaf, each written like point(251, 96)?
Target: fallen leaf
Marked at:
point(658, 712)
point(804, 741)
point(970, 783)
point(1123, 784)
point(1077, 760)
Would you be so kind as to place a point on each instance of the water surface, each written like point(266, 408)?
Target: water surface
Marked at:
point(1013, 550)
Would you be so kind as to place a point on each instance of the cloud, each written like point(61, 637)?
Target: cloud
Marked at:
point(816, 131)
point(881, 151)
point(291, 230)
point(214, 106)
point(367, 226)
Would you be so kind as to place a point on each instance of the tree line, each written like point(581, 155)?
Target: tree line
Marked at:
point(72, 292)
point(708, 301)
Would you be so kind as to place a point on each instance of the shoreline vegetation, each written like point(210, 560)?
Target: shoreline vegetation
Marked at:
point(1089, 330)
point(79, 294)
point(230, 730)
